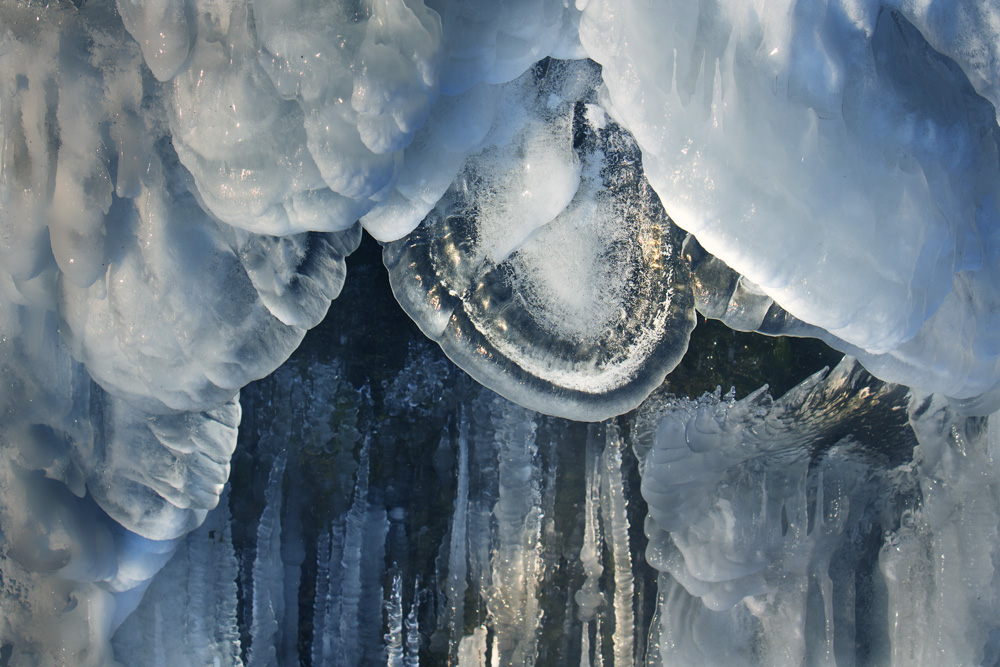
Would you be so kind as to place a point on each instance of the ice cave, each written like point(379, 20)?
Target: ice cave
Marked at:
point(499, 332)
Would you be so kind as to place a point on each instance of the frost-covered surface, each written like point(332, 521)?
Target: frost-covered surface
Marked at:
point(180, 182)
point(781, 528)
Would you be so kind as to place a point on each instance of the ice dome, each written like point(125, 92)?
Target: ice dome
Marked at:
point(555, 189)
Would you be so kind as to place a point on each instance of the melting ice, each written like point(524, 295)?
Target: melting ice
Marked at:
point(557, 189)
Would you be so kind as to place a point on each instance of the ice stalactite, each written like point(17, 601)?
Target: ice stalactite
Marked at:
point(347, 609)
point(394, 622)
point(589, 598)
point(472, 649)
point(411, 656)
point(327, 605)
point(347, 645)
point(516, 559)
point(615, 516)
point(458, 546)
point(370, 602)
point(321, 598)
point(269, 575)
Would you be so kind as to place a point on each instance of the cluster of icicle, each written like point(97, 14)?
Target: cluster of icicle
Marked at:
point(849, 521)
point(478, 601)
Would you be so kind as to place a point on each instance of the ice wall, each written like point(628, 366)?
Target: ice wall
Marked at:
point(454, 526)
point(181, 181)
point(131, 317)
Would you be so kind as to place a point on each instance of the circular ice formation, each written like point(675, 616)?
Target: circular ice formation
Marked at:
point(549, 271)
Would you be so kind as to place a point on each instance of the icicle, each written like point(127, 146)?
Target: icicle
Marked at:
point(191, 604)
point(589, 597)
point(347, 646)
point(293, 556)
point(517, 563)
point(321, 603)
point(472, 649)
point(268, 575)
point(412, 656)
point(615, 513)
point(369, 621)
point(324, 645)
point(210, 551)
point(598, 642)
point(457, 560)
point(483, 481)
point(394, 621)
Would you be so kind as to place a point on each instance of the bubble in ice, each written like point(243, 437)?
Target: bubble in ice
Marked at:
point(549, 271)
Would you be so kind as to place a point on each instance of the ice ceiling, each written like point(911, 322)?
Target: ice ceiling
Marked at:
point(557, 188)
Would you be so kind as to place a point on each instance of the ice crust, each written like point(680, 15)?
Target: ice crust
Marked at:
point(181, 180)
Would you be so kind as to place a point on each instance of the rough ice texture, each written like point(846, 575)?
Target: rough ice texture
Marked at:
point(188, 615)
point(130, 319)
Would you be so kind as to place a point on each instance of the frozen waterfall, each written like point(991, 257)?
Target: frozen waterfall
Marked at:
point(356, 332)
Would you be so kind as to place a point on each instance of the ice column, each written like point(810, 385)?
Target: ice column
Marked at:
point(347, 617)
point(394, 621)
point(940, 565)
point(458, 547)
point(188, 613)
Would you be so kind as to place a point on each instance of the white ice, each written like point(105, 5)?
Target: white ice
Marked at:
point(180, 181)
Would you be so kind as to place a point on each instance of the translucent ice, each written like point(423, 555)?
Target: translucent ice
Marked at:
point(548, 271)
point(180, 181)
